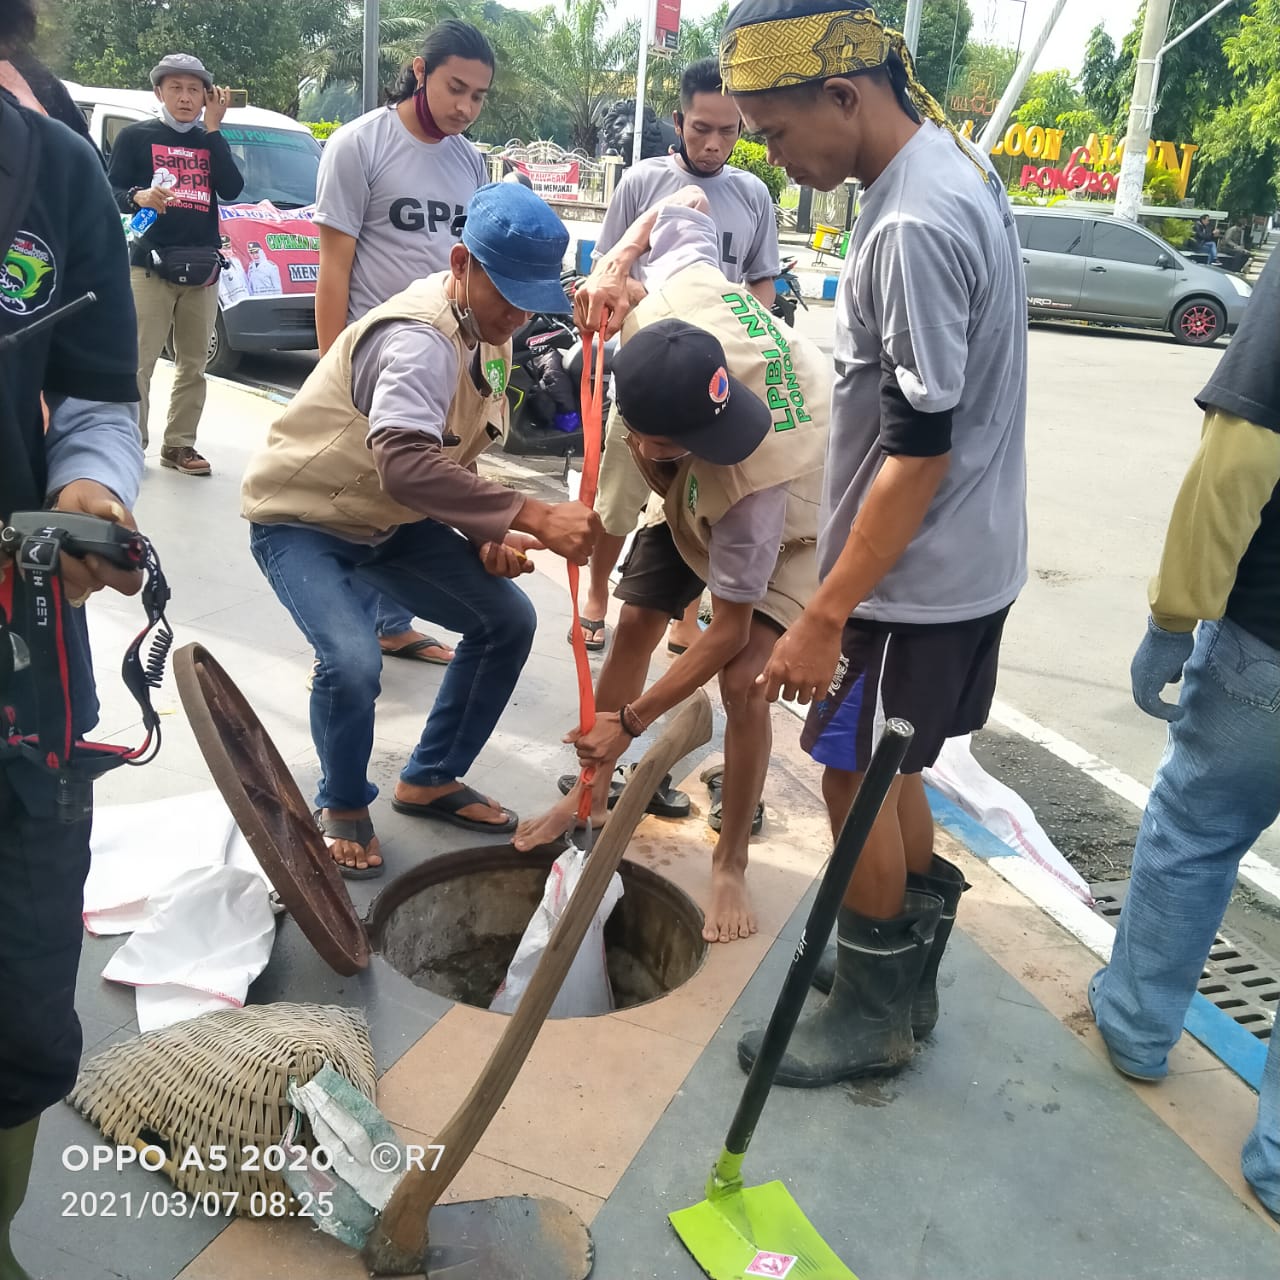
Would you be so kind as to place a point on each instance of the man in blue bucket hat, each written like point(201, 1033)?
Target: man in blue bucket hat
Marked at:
point(367, 484)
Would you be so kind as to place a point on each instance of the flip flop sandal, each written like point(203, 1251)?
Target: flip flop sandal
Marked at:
point(664, 803)
point(447, 809)
point(675, 650)
point(713, 778)
point(591, 624)
point(416, 647)
point(357, 831)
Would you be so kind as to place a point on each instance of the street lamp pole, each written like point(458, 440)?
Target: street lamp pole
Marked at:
point(369, 58)
point(642, 75)
point(1022, 22)
point(911, 24)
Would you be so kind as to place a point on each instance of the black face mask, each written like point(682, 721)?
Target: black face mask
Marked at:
point(683, 153)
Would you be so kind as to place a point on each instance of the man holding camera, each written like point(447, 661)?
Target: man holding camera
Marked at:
point(58, 244)
point(178, 168)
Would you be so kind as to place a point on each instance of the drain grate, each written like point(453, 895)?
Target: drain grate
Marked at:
point(1239, 978)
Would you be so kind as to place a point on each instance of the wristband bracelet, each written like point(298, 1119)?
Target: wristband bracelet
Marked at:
point(627, 718)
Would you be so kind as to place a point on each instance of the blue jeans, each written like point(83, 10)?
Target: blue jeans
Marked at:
point(391, 618)
point(331, 587)
point(1217, 790)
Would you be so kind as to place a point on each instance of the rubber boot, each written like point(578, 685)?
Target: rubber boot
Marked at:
point(864, 1026)
point(948, 882)
point(16, 1148)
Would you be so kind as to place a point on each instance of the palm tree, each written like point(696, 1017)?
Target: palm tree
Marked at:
point(402, 25)
point(581, 66)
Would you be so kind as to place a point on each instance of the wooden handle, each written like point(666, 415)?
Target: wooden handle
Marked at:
point(398, 1241)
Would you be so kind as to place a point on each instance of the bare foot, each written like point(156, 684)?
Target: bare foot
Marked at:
point(440, 653)
point(488, 811)
point(561, 818)
point(730, 915)
point(347, 853)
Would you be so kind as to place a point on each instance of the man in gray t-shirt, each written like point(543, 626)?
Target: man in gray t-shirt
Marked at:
point(707, 126)
point(922, 536)
point(400, 198)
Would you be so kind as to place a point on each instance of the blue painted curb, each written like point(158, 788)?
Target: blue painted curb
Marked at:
point(1237, 1048)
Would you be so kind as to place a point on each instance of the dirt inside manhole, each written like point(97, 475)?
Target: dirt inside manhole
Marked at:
point(452, 925)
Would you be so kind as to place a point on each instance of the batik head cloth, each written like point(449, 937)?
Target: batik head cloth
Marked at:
point(776, 44)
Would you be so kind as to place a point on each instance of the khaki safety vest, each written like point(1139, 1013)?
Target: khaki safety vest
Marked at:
point(317, 467)
point(791, 375)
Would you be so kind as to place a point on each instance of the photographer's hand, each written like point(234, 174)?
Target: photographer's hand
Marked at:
point(81, 578)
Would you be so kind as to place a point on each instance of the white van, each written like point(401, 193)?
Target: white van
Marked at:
point(267, 299)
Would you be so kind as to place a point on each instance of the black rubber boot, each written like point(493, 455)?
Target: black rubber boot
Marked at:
point(946, 880)
point(864, 1027)
point(16, 1148)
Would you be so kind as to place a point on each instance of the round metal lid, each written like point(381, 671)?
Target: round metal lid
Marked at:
point(268, 807)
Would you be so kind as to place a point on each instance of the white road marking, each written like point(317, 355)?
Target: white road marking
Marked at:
point(1262, 875)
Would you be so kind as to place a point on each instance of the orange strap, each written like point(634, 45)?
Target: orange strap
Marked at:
point(592, 402)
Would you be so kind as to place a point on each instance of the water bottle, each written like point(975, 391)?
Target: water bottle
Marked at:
point(141, 221)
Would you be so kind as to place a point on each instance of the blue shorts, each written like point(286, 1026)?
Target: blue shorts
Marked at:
point(940, 678)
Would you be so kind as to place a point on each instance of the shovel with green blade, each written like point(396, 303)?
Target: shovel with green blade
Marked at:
point(739, 1232)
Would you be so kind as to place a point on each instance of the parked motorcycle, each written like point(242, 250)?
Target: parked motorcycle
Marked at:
point(544, 386)
point(785, 304)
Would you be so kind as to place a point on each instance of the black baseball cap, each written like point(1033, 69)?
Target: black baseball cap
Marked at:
point(671, 379)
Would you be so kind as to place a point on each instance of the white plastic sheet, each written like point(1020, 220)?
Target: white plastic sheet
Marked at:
point(1002, 811)
point(586, 989)
point(180, 878)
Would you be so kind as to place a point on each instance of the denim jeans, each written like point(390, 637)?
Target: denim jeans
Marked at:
point(390, 618)
point(331, 587)
point(1217, 790)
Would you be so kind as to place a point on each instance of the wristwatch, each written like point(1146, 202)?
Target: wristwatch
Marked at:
point(133, 194)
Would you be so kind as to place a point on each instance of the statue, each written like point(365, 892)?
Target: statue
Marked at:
point(617, 124)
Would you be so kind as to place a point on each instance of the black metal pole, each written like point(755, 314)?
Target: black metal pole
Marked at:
point(876, 782)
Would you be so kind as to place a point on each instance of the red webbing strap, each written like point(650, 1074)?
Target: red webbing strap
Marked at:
point(592, 400)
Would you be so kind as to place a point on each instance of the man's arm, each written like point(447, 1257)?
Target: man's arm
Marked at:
point(763, 264)
point(333, 285)
point(125, 170)
point(610, 287)
point(1215, 516)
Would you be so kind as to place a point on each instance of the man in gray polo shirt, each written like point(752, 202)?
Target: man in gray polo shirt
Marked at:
point(922, 537)
point(707, 126)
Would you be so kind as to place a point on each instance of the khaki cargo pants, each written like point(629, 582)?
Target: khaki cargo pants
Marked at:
point(189, 314)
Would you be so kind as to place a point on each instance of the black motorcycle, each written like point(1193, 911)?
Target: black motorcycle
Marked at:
point(784, 304)
point(544, 386)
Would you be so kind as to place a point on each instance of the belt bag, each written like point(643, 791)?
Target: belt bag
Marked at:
point(198, 267)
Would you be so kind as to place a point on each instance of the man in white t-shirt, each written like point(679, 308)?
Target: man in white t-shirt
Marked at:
point(392, 189)
point(707, 126)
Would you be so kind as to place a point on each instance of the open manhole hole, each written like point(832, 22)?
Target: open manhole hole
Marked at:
point(452, 925)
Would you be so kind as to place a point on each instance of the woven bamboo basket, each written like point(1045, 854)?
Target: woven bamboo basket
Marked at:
point(221, 1082)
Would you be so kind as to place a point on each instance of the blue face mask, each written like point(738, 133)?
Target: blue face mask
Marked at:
point(178, 126)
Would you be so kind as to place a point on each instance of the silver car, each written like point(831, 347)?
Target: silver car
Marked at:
point(1086, 265)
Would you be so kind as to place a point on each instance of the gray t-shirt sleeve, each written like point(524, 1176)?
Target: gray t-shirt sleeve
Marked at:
point(623, 210)
point(744, 546)
point(342, 186)
point(762, 261)
point(921, 295)
point(681, 238)
point(403, 376)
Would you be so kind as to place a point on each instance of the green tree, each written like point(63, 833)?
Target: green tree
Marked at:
point(584, 65)
point(1099, 79)
point(1047, 96)
point(264, 48)
point(944, 32)
point(516, 101)
point(981, 74)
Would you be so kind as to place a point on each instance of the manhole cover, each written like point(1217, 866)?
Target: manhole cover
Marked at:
point(268, 807)
point(1239, 978)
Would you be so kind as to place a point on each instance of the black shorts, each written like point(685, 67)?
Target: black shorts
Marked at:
point(940, 678)
point(655, 576)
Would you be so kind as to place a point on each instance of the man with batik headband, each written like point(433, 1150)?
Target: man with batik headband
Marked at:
point(922, 541)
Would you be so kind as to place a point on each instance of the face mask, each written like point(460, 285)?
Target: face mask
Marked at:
point(466, 317)
point(423, 112)
point(178, 126)
point(683, 153)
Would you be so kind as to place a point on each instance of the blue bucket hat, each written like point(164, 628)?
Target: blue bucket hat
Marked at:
point(518, 240)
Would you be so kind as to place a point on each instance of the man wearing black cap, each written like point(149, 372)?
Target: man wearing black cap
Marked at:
point(727, 422)
point(178, 169)
point(923, 545)
point(366, 487)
